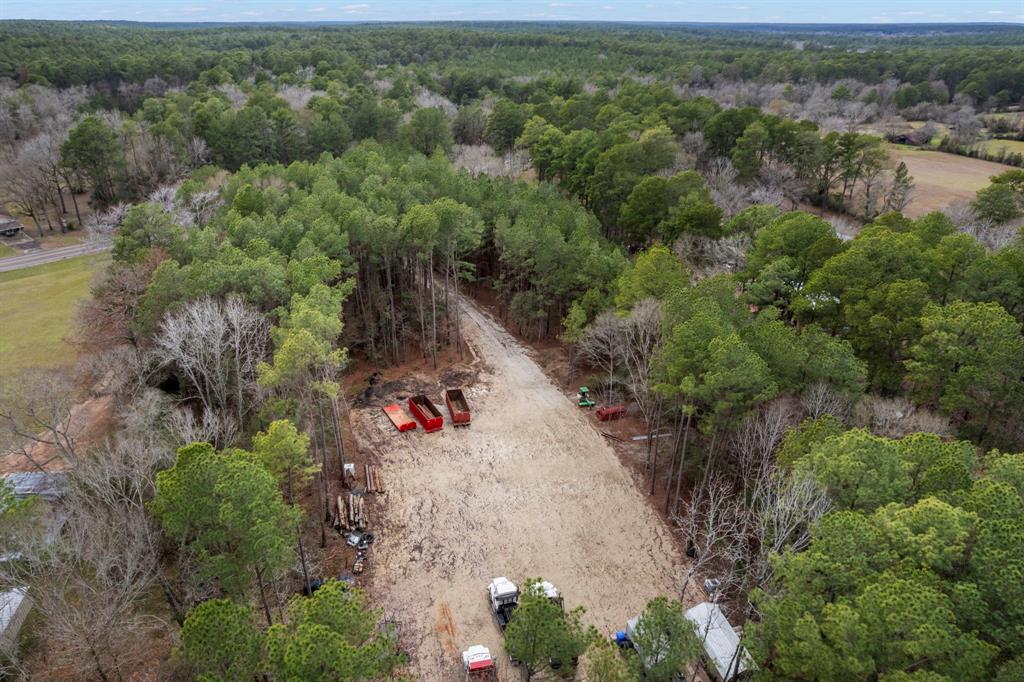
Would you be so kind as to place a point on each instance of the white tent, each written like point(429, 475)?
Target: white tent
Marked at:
point(721, 643)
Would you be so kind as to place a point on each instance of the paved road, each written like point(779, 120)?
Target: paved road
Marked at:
point(41, 256)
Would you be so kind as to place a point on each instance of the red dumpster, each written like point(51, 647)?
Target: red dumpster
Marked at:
point(610, 412)
point(458, 407)
point(398, 417)
point(426, 413)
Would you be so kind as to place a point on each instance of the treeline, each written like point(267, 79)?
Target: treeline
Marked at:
point(839, 546)
point(983, 64)
point(916, 573)
point(390, 221)
point(616, 154)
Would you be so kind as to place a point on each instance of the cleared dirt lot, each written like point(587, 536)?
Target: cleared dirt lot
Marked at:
point(530, 489)
point(941, 179)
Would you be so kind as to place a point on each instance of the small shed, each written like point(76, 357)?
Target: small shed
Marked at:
point(722, 647)
point(14, 607)
point(8, 226)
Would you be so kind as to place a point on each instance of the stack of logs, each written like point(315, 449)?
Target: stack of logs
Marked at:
point(373, 481)
point(353, 514)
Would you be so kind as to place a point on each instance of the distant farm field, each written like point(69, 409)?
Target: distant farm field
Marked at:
point(37, 310)
point(995, 146)
point(941, 179)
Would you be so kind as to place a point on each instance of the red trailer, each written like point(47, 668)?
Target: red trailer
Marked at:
point(426, 413)
point(398, 417)
point(458, 407)
point(610, 412)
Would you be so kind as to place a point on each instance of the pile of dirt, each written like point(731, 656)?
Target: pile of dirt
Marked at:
point(381, 394)
point(459, 376)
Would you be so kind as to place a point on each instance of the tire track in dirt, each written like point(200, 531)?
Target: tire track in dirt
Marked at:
point(530, 489)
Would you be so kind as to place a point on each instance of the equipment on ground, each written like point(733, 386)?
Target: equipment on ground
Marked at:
point(583, 397)
point(398, 417)
point(478, 664)
point(609, 412)
point(426, 413)
point(359, 539)
point(458, 406)
point(551, 592)
point(504, 597)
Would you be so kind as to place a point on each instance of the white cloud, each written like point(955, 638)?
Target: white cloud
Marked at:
point(317, 9)
point(194, 10)
point(995, 11)
point(355, 8)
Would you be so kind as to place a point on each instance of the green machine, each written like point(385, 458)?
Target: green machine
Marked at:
point(583, 397)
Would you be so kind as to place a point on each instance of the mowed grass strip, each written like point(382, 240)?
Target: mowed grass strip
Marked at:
point(37, 311)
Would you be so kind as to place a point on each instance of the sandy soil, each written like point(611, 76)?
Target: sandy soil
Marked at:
point(530, 489)
point(941, 179)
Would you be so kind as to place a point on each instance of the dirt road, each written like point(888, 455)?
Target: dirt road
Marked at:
point(530, 489)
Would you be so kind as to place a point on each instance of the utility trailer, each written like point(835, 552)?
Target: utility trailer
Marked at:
point(426, 413)
point(458, 407)
point(478, 664)
point(504, 598)
point(398, 417)
point(609, 412)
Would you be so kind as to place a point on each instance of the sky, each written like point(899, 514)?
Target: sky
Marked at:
point(771, 11)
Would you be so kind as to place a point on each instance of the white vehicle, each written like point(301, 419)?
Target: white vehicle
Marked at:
point(504, 598)
point(478, 664)
point(551, 592)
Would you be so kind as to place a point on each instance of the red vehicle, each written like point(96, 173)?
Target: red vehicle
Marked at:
point(478, 664)
point(458, 408)
point(398, 417)
point(426, 413)
point(610, 412)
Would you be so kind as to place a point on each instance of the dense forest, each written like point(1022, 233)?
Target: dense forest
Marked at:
point(707, 220)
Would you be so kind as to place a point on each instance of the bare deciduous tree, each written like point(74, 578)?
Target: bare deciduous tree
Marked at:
point(897, 417)
point(990, 235)
point(708, 256)
point(714, 524)
point(600, 344)
point(821, 399)
point(38, 420)
point(216, 346)
point(754, 441)
point(641, 337)
point(783, 508)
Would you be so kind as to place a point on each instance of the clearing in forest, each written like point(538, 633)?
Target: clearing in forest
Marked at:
point(530, 489)
point(941, 179)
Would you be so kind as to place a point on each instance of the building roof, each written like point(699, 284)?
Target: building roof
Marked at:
point(49, 485)
point(10, 603)
point(720, 640)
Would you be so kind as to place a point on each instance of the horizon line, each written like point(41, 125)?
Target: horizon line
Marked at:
point(640, 22)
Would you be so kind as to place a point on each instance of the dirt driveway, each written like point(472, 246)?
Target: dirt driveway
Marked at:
point(530, 489)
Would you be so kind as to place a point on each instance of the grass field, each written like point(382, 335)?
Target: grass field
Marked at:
point(941, 179)
point(994, 146)
point(7, 251)
point(37, 309)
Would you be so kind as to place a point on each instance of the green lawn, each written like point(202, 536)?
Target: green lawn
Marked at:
point(995, 146)
point(7, 251)
point(37, 310)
